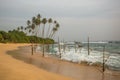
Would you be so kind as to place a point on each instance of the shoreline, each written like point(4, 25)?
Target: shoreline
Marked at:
point(61, 67)
point(13, 69)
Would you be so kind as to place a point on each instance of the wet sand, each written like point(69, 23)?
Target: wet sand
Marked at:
point(14, 69)
point(55, 65)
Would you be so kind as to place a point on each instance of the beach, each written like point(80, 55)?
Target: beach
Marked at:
point(13, 69)
point(23, 66)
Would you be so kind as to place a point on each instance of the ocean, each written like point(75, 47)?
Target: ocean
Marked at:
point(73, 53)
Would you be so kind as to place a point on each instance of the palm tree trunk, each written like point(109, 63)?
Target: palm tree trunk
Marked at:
point(52, 34)
point(43, 38)
point(47, 35)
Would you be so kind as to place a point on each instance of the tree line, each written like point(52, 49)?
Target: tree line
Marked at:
point(15, 36)
point(38, 30)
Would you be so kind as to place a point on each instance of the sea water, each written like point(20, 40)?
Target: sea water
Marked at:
point(111, 53)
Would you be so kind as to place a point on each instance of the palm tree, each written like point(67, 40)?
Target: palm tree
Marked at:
point(44, 21)
point(33, 26)
point(52, 29)
point(28, 22)
point(30, 30)
point(38, 22)
point(57, 26)
point(49, 21)
point(21, 28)
point(25, 30)
point(18, 28)
point(34, 20)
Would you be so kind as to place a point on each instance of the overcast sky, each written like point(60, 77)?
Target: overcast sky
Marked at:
point(99, 19)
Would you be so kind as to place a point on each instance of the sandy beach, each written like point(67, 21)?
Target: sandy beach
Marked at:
point(13, 69)
point(36, 67)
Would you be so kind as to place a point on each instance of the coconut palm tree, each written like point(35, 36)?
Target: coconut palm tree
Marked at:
point(52, 29)
point(33, 26)
point(34, 20)
point(49, 21)
point(55, 30)
point(28, 25)
point(38, 22)
point(28, 22)
point(18, 29)
point(44, 21)
point(57, 26)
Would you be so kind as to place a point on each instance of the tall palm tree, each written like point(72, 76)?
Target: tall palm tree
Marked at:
point(25, 30)
point(49, 21)
point(34, 22)
point(44, 21)
point(28, 25)
point(18, 29)
point(21, 28)
point(33, 26)
point(28, 22)
point(38, 22)
point(55, 30)
point(52, 29)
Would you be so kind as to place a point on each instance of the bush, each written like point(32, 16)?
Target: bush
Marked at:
point(20, 37)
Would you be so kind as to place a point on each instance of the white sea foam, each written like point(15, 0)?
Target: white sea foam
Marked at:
point(111, 60)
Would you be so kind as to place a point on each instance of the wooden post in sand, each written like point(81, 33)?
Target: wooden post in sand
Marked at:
point(43, 49)
point(59, 48)
point(103, 59)
point(88, 47)
point(103, 66)
point(32, 49)
point(75, 46)
point(63, 45)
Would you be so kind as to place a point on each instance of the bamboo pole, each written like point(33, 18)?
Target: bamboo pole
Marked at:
point(43, 49)
point(32, 49)
point(103, 58)
point(88, 47)
point(59, 47)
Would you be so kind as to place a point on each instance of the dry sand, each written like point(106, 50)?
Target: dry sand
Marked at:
point(13, 69)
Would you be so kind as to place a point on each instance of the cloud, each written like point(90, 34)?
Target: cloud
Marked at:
point(98, 18)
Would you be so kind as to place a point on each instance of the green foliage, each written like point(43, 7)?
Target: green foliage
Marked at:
point(1, 37)
point(16, 36)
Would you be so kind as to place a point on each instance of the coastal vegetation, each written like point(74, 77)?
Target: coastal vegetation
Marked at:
point(36, 31)
point(15, 36)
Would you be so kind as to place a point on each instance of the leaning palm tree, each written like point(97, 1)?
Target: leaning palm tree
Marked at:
point(18, 29)
point(52, 29)
point(28, 23)
point(21, 28)
point(57, 26)
point(49, 21)
point(38, 22)
point(44, 21)
point(34, 22)
point(28, 26)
